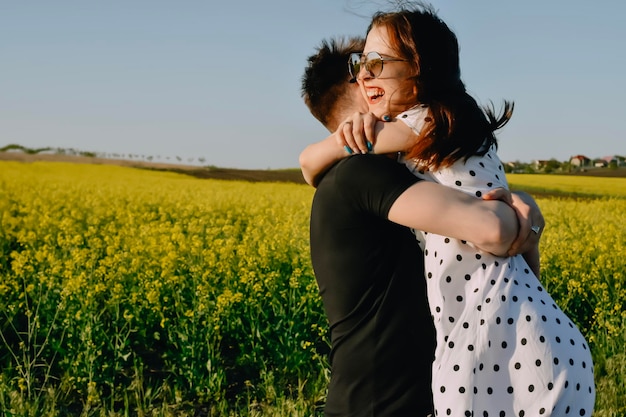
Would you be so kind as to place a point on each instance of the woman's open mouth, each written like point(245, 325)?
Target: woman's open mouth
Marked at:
point(374, 95)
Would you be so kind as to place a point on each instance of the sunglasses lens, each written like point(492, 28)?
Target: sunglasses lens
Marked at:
point(374, 65)
point(372, 62)
point(354, 64)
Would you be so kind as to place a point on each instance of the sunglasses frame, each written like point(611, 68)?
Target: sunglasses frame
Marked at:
point(363, 60)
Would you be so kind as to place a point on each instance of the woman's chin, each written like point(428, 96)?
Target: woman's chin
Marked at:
point(377, 106)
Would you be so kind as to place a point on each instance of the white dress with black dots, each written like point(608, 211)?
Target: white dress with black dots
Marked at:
point(504, 348)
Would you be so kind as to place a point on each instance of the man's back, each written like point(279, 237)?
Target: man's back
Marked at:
point(370, 274)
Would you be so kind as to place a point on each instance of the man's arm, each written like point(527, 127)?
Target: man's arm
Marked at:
point(490, 225)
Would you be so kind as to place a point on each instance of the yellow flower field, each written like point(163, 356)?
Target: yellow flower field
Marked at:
point(569, 184)
point(123, 289)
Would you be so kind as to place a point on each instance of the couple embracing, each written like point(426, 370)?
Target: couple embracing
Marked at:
point(427, 266)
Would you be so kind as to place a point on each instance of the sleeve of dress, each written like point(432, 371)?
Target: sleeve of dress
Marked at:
point(476, 175)
point(414, 117)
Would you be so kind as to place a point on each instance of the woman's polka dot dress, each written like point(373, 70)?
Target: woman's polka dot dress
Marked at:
point(504, 348)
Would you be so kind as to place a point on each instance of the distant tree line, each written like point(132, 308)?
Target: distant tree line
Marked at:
point(551, 166)
point(75, 152)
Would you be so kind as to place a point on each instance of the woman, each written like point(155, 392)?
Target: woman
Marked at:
point(504, 348)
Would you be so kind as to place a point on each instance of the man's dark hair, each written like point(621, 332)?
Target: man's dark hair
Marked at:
point(326, 79)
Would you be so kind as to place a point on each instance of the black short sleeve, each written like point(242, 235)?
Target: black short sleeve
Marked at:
point(372, 181)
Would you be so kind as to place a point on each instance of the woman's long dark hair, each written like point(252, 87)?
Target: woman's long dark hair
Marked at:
point(458, 127)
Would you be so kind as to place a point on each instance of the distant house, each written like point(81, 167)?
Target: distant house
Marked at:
point(514, 167)
point(540, 163)
point(579, 161)
point(600, 163)
point(614, 160)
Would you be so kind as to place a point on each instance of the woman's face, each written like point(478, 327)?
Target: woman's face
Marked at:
point(393, 90)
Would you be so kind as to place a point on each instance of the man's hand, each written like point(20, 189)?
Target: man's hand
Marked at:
point(531, 220)
point(531, 224)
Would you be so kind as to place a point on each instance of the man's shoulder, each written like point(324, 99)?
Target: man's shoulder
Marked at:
point(368, 173)
point(369, 165)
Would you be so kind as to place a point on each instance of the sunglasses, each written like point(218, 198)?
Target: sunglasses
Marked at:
point(372, 62)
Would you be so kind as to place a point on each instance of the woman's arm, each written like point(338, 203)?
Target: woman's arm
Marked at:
point(316, 158)
point(490, 225)
point(352, 137)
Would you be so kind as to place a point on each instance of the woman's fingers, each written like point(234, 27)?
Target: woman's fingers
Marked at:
point(501, 194)
point(357, 133)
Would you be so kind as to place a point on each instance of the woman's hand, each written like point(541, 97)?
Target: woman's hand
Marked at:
point(357, 134)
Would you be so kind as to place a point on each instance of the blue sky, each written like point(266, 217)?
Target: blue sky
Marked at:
point(221, 80)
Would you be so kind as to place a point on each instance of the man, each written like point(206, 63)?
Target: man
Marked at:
point(326, 88)
point(368, 264)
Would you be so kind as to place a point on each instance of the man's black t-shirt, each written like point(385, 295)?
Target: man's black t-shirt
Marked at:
point(370, 274)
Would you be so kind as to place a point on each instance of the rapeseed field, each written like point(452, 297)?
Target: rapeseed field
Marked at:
point(129, 292)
